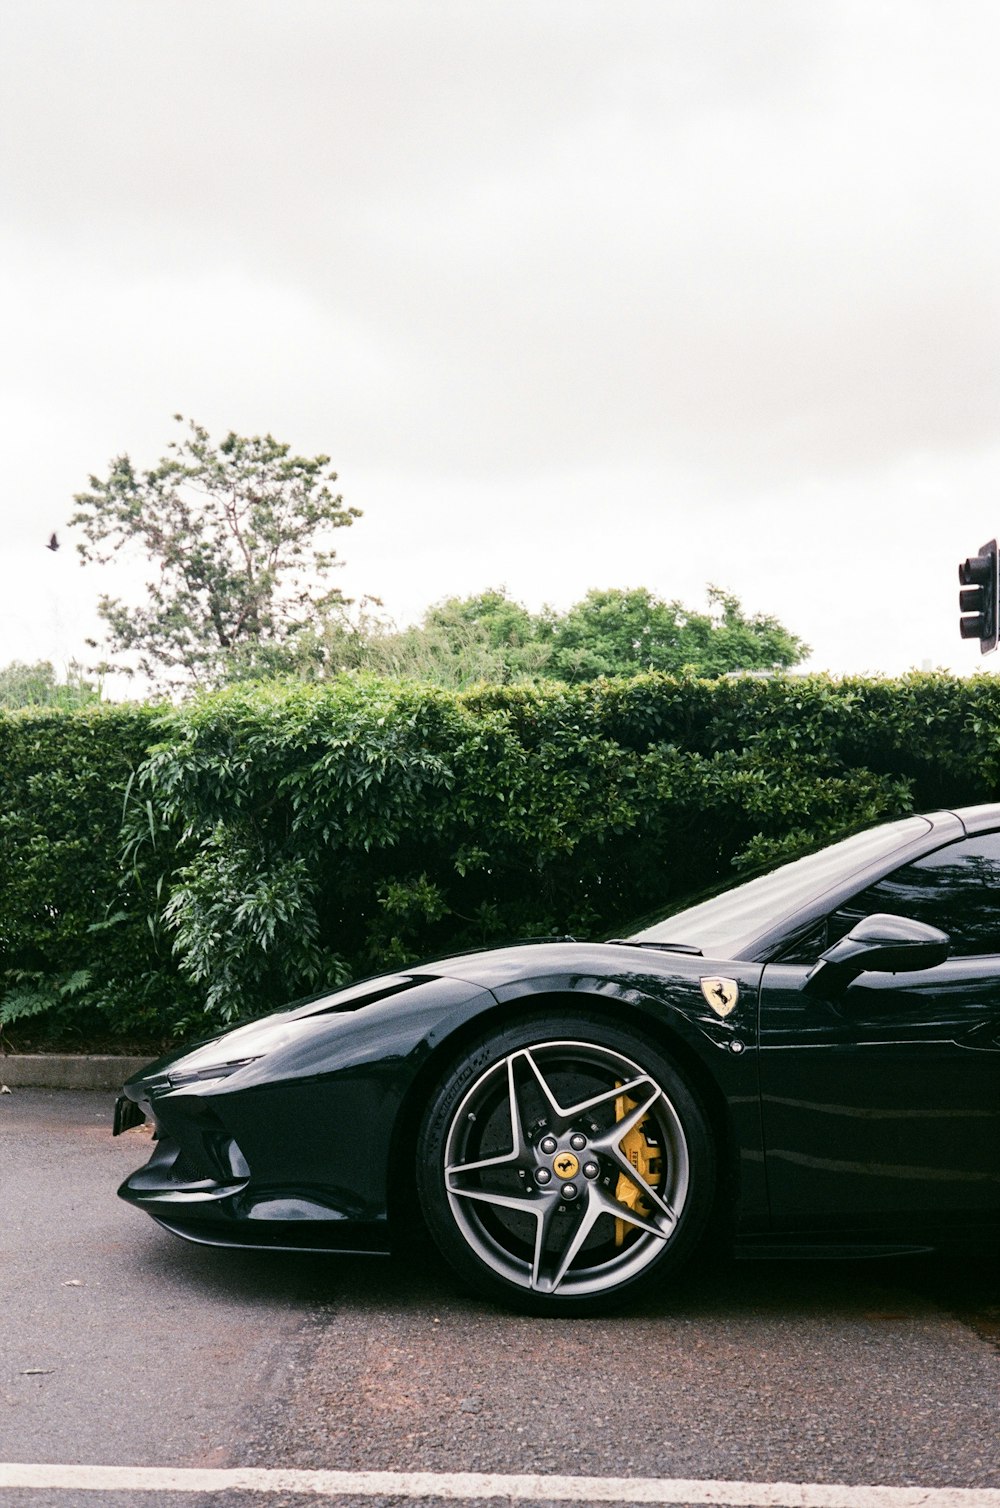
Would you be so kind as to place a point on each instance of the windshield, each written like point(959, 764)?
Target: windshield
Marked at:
point(726, 924)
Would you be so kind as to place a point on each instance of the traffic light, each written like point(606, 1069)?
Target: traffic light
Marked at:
point(978, 600)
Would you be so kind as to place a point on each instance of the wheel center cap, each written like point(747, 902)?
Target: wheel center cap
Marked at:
point(566, 1165)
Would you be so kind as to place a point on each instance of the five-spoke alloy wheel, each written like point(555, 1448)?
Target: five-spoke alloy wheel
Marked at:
point(565, 1163)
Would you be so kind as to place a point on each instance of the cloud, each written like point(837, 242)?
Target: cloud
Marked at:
point(572, 295)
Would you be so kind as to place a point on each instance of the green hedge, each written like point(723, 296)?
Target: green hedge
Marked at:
point(76, 948)
point(165, 871)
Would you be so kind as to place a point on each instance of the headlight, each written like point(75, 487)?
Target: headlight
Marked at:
point(214, 1071)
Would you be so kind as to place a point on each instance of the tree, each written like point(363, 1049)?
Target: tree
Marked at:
point(35, 685)
point(501, 622)
point(458, 642)
point(624, 632)
point(236, 534)
point(485, 637)
point(490, 637)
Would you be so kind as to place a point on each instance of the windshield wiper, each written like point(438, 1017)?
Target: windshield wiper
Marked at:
point(665, 947)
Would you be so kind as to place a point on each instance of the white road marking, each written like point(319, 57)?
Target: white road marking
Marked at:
point(480, 1486)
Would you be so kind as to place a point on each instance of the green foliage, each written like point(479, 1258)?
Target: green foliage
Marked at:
point(75, 943)
point(234, 536)
point(35, 993)
point(615, 633)
point(36, 685)
point(178, 869)
point(503, 623)
point(464, 641)
point(459, 642)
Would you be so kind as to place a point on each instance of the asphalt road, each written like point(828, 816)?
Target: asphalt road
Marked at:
point(121, 1345)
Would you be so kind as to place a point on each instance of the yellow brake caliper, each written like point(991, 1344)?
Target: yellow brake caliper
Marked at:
point(646, 1160)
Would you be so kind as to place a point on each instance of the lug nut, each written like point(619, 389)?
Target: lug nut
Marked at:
point(591, 1170)
point(543, 1176)
point(569, 1191)
point(548, 1145)
point(577, 1142)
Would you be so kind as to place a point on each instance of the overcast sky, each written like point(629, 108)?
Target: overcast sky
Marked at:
point(574, 293)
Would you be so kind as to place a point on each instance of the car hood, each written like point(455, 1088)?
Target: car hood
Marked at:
point(503, 971)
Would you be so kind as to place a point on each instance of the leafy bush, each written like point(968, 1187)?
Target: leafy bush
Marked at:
point(75, 944)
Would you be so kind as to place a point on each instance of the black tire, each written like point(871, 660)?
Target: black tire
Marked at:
point(530, 1189)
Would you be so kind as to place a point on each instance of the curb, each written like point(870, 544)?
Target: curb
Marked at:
point(65, 1071)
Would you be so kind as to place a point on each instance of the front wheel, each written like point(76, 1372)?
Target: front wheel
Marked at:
point(565, 1164)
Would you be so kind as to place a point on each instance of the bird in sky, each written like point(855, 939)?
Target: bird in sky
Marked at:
point(53, 543)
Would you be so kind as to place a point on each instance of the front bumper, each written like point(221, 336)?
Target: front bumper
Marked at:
point(198, 1184)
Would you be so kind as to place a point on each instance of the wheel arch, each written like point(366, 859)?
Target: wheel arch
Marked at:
point(403, 1206)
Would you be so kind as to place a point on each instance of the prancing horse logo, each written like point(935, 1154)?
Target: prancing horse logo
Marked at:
point(566, 1165)
point(721, 994)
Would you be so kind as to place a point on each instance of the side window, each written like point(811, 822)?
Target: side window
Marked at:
point(807, 946)
point(956, 888)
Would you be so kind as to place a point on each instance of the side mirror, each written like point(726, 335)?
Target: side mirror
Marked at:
point(889, 944)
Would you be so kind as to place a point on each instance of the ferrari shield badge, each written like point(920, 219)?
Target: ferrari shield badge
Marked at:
point(721, 994)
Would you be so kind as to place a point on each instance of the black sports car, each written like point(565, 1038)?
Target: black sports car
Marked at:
point(807, 1062)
